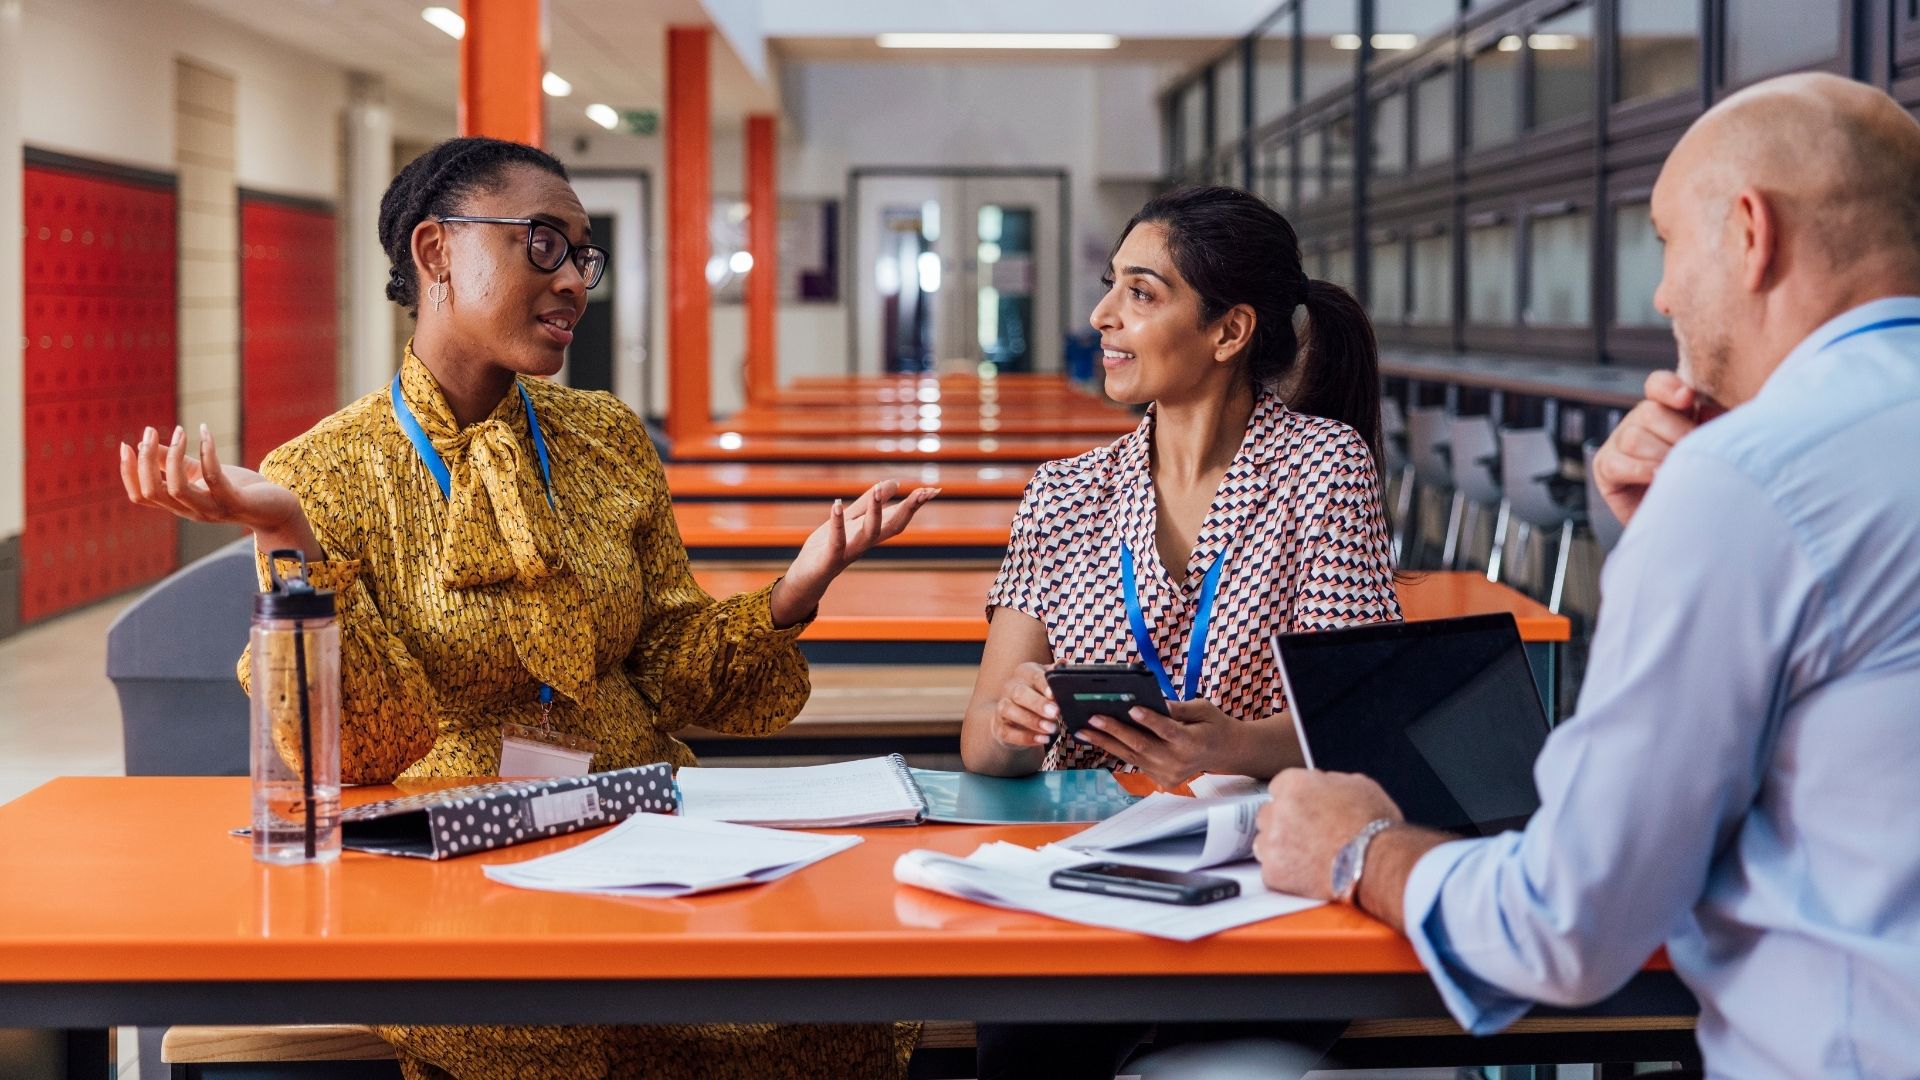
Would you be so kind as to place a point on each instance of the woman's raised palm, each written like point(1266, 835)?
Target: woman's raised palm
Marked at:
point(199, 488)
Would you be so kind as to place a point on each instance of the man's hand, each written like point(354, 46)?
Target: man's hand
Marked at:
point(1313, 814)
point(1625, 465)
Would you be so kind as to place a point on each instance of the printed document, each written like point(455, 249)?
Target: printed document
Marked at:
point(1175, 832)
point(658, 855)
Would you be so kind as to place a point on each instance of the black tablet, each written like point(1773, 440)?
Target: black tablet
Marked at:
point(1084, 691)
point(1443, 713)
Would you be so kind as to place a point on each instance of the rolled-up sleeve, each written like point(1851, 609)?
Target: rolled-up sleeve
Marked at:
point(1711, 611)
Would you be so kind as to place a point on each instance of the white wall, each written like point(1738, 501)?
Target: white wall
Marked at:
point(98, 82)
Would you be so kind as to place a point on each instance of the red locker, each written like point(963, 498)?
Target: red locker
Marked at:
point(99, 362)
point(288, 321)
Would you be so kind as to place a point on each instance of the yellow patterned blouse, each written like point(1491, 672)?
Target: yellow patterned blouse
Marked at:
point(454, 610)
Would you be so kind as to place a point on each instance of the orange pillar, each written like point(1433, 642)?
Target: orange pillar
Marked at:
point(763, 243)
point(689, 206)
point(501, 64)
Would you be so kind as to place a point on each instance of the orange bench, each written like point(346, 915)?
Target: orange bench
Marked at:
point(963, 529)
point(813, 483)
point(903, 449)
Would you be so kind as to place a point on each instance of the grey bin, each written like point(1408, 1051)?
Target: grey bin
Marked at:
point(171, 656)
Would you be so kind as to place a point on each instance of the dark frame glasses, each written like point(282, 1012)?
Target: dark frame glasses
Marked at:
point(589, 260)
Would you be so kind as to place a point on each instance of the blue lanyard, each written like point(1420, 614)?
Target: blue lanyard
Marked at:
point(1196, 642)
point(1884, 324)
point(437, 465)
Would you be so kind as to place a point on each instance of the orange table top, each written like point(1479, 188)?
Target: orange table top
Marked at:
point(762, 480)
point(878, 603)
point(972, 523)
point(1081, 418)
point(124, 879)
point(733, 446)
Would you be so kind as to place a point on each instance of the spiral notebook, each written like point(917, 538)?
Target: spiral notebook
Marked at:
point(885, 791)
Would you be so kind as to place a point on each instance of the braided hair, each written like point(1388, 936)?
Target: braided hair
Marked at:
point(434, 185)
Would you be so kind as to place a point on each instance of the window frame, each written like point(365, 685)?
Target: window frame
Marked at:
point(1381, 237)
point(1530, 127)
point(1546, 204)
point(1402, 87)
point(1676, 108)
point(1477, 336)
point(1628, 346)
point(1486, 41)
point(1287, 15)
point(1906, 33)
point(1841, 64)
point(1409, 334)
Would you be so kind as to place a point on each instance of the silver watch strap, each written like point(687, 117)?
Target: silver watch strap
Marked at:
point(1356, 848)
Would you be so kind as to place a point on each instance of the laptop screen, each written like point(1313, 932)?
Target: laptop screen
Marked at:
point(1444, 714)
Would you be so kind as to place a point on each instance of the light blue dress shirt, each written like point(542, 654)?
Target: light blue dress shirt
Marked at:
point(1740, 780)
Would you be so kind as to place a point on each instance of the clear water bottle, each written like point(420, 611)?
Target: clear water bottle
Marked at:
point(296, 720)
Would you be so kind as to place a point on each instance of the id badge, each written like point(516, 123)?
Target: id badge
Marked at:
point(539, 752)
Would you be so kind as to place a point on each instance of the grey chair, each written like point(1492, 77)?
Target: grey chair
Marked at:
point(1538, 514)
point(1606, 527)
point(1429, 453)
point(171, 657)
point(1473, 543)
point(1396, 481)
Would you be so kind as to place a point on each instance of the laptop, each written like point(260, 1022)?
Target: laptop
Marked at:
point(1444, 714)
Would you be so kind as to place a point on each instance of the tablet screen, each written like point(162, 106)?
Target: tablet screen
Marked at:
point(1444, 714)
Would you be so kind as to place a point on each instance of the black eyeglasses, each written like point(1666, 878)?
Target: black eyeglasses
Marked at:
point(548, 247)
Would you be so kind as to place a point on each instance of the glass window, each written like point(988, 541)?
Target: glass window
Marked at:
point(1227, 91)
point(1273, 71)
point(1433, 118)
point(1766, 38)
point(1431, 302)
point(1404, 24)
point(1560, 270)
point(1493, 94)
point(1636, 267)
point(1310, 177)
point(1388, 300)
point(1340, 268)
point(1329, 45)
point(1492, 279)
point(1193, 122)
point(1563, 67)
point(1276, 166)
point(1390, 135)
point(1340, 155)
point(1659, 48)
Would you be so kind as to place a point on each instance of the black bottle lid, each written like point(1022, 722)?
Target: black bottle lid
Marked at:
point(293, 597)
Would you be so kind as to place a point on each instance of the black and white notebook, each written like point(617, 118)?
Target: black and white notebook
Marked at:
point(500, 813)
point(885, 791)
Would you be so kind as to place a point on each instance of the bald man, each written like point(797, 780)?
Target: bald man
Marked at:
point(1740, 778)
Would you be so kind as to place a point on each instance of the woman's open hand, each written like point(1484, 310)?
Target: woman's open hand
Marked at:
point(199, 488)
point(848, 533)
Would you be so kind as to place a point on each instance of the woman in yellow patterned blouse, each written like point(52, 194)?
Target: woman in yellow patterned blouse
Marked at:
point(466, 584)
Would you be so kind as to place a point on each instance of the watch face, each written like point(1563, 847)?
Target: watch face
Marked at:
point(1345, 863)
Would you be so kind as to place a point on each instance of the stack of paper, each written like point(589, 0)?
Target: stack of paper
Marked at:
point(872, 791)
point(656, 855)
point(1009, 876)
point(1174, 832)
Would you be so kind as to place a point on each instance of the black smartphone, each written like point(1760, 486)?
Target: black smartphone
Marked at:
point(1084, 691)
point(1145, 883)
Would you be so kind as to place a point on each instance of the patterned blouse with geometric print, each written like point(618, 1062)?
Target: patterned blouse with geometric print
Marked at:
point(1297, 517)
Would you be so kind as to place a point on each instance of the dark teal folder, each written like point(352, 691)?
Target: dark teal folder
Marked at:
point(1068, 796)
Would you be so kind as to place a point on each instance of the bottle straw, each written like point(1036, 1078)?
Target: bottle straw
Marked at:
point(306, 727)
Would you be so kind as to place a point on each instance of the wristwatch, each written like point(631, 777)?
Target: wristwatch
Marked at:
point(1351, 860)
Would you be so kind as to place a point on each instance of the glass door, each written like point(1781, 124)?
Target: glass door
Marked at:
point(957, 271)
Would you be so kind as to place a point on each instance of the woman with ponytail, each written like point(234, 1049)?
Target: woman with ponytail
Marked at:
point(1245, 504)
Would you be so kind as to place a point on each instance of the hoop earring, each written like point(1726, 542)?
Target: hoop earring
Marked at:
point(437, 292)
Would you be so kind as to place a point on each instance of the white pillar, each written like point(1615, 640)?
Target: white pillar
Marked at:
point(12, 358)
point(370, 360)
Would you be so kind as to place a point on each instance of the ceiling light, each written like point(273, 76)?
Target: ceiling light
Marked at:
point(447, 20)
point(1382, 42)
point(555, 86)
point(997, 41)
point(604, 115)
point(740, 262)
point(1553, 42)
point(1510, 43)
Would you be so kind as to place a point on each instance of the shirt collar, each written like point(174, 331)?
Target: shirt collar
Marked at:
point(1848, 322)
point(1259, 445)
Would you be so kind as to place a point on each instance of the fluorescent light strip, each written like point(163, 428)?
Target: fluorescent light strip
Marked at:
point(1381, 42)
point(997, 41)
point(446, 20)
point(604, 115)
point(555, 86)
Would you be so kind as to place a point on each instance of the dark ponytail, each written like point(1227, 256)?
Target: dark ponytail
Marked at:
point(434, 185)
point(1233, 249)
